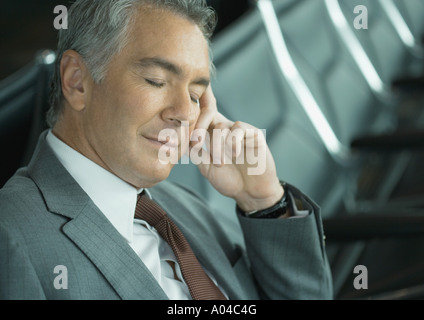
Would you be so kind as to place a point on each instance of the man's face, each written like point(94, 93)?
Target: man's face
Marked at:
point(154, 83)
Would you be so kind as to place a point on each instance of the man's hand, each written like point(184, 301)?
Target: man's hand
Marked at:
point(240, 163)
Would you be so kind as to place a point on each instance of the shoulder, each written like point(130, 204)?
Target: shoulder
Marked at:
point(19, 197)
point(188, 206)
point(177, 197)
point(180, 192)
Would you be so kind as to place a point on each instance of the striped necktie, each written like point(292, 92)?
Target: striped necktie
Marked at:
point(200, 285)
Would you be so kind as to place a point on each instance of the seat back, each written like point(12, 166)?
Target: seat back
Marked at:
point(329, 70)
point(408, 31)
point(388, 41)
point(23, 104)
point(412, 12)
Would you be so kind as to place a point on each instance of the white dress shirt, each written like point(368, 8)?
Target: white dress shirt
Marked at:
point(117, 199)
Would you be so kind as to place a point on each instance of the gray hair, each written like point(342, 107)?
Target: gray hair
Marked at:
point(98, 29)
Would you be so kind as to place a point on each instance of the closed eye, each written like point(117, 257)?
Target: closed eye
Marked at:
point(195, 100)
point(155, 83)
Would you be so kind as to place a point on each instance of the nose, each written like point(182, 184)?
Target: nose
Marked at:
point(181, 109)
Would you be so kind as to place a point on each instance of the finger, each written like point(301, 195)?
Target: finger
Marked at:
point(208, 109)
point(253, 137)
point(209, 115)
point(251, 146)
point(199, 150)
point(219, 136)
point(235, 140)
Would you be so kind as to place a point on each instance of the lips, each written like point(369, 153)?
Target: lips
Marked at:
point(174, 143)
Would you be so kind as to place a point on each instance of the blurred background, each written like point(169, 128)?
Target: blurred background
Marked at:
point(26, 26)
point(336, 84)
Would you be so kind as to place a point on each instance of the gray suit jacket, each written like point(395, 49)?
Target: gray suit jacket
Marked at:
point(47, 220)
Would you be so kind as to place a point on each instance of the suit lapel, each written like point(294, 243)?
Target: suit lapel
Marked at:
point(90, 230)
point(119, 264)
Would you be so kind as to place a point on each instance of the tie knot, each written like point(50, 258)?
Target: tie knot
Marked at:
point(148, 210)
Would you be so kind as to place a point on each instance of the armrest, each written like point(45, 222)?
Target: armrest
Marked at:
point(357, 227)
point(409, 84)
point(405, 139)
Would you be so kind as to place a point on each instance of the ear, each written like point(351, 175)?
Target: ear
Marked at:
point(75, 80)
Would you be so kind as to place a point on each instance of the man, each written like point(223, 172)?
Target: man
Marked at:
point(127, 70)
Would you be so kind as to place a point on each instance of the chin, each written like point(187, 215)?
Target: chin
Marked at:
point(156, 175)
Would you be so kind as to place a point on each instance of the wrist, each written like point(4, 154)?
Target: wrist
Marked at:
point(281, 209)
point(253, 204)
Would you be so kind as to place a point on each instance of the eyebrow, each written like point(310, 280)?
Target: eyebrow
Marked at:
point(171, 67)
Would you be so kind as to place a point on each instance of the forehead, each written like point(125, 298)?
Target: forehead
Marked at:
point(162, 33)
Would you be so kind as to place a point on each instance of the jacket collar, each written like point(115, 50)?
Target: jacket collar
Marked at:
point(89, 229)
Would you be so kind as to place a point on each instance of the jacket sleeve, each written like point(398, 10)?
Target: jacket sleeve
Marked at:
point(287, 256)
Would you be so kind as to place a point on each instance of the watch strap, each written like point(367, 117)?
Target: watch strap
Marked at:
point(276, 211)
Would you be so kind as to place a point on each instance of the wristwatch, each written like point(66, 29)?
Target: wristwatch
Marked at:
point(276, 211)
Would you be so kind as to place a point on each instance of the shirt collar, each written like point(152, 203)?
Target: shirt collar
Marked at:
point(115, 198)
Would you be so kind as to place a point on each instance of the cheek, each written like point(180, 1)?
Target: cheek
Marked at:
point(134, 108)
point(195, 116)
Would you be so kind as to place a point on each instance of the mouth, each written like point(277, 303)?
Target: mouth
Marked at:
point(171, 144)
